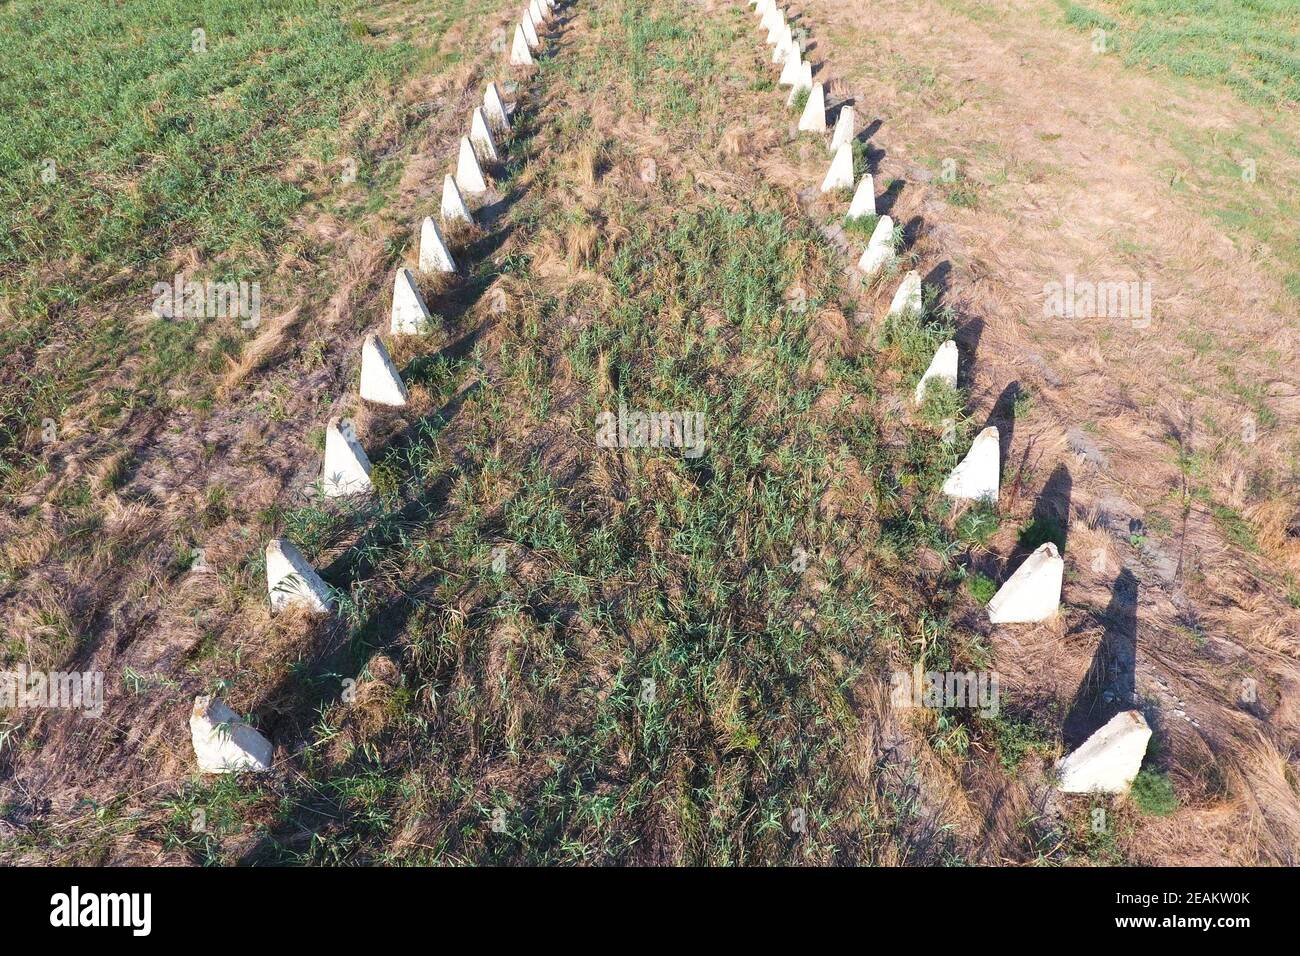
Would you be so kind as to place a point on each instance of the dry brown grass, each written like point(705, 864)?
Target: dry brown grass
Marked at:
point(270, 344)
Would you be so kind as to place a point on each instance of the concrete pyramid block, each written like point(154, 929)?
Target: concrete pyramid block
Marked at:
point(480, 138)
point(380, 382)
point(540, 12)
point(1033, 593)
point(864, 198)
point(845, 128)
point(761, 7)
point(792, 69)
point(775, 28)
point(347, 469)
point(434, 254)
point(223, 743)
point(802, 82)
point(453, 203)
point(519, 51)
point(291, 581)
point(880, 248)
point(469, 174)
point(977, 476)
point(813, 119)
point(784, 47)
point(1109, 760)
point(840, 175)
point(530, 31)
point(410, 316)
point(494, 108)
point(908, 296)
point(943, 368)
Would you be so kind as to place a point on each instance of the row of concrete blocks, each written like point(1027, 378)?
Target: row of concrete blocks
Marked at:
point(1033, 592)
point(290, 579)
point(1109, 760)
point(529, 30)
point(222, 742)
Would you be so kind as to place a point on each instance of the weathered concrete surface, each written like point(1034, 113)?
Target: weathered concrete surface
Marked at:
point(291, 581)
point(380, 381)
point(840, 175)
point(880, 247)
point(1109, 760)
point(813, 119)
point(978, 476)
point(943, 367)
point(1033, 593)
point(409, 314)
point(223, 743)
point(347, 469)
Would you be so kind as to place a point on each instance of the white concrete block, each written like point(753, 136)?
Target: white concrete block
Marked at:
point(943, 368)
point(792, 69)
point(977, 477)
point(519, 52)
point(844, 128)
point(410, 316)
point(453, 203)
point(803, 82)
point(784, 47)
point(291, 581)
point(469, 175)
point(775, 27)
point(813, 119)
point(1109, 760)
point(530, 31)
point(908, 296)
point(434, 254)
point(223, 743)
point(480, 137)
point(864, 198)
point(840, 175)
point(880, 248)
point(347, 469)
point(1033, 593)
point(540, 12)
point(494, 108)
point(761, 7)
point(380, 382)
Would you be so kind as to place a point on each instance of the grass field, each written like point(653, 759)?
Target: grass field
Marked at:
point(546, 650)
point(653, 674)
point(144, 149)
point(1252, 47)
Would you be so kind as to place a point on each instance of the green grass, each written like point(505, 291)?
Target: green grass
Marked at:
point(1017, 735)
point(1039, 531)
point(1154, 793)
point(1252, 48)
point(650, 676)
point(981, 588)
point(157, 147)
